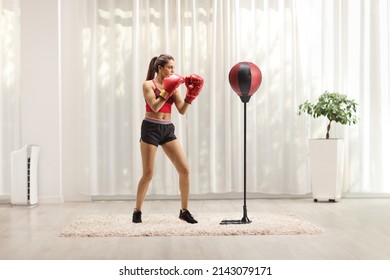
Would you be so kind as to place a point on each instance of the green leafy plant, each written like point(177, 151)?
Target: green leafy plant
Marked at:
point(334, 106)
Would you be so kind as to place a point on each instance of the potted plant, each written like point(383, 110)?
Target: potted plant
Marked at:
point(327, 155)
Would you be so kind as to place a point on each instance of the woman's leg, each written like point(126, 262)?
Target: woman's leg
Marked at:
point(148, 154)
point(175, 153)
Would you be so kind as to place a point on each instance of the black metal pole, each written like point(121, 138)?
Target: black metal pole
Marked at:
point(245, 155)
point(245, 218)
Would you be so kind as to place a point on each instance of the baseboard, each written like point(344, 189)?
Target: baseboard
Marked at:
point(227, 196)
point(50, 199)
point(5, 200)
point(5, 197)
point(78, 198)
point(366, 195)
point(208, 196)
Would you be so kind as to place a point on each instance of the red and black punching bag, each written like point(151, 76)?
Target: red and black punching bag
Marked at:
point(245, 78)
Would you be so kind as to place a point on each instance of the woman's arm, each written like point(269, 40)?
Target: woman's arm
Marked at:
point(150, 97)
point(179, 103)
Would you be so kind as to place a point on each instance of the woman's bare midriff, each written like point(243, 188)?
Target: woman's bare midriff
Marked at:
point(159, 116)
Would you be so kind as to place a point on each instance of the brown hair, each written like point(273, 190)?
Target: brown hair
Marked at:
point(155, 62)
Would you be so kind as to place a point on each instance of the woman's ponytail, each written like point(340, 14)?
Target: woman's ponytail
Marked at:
point(151, 71)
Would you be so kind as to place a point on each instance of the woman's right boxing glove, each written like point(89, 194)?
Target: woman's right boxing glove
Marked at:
point(170, 84)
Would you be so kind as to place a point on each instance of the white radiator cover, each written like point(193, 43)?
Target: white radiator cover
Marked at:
point(24, 175)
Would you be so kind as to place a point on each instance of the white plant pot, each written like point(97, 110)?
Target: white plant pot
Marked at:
point(326, 163)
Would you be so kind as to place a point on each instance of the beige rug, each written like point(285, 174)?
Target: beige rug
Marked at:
point(171, 225)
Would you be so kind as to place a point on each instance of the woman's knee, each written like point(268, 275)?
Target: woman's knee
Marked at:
point(184, 170)
point(147, 175)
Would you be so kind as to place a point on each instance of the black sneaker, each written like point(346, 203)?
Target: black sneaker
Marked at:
point(137, 216)
point(185, 215)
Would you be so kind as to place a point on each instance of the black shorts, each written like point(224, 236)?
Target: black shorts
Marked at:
point(156, 132)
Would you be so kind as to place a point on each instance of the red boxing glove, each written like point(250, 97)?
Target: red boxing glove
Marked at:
point(194, 84)
point(170, 84)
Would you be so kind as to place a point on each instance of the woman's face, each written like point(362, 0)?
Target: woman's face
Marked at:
point(168, 69)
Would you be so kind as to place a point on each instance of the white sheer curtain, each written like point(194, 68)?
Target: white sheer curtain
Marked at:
point(303, 48)
point(345, 47)
point(9, 87)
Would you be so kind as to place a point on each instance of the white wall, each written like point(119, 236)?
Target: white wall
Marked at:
point(52, 105)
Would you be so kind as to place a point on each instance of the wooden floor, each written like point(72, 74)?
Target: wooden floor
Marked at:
point(353, 229)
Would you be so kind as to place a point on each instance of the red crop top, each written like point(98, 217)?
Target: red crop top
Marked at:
point(166, 108)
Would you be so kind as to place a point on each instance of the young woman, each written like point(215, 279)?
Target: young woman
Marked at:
point(161, 90)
